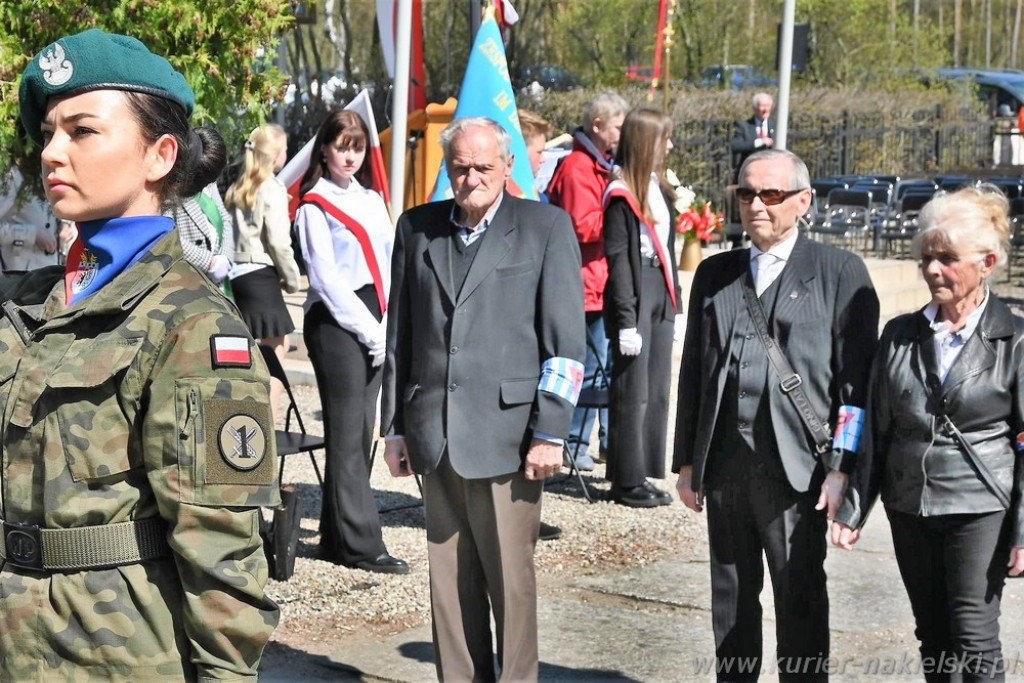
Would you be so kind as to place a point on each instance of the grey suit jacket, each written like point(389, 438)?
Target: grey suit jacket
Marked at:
point(826, 322)
point(462, 369)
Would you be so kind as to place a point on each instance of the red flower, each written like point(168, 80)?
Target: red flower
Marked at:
point(700, 224)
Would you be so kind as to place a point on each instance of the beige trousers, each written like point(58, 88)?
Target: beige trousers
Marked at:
point(481, 536)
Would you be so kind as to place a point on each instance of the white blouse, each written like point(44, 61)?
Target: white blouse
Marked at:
point(335, 263)
point(662, 219)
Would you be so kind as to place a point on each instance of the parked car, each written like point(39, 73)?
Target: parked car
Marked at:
point(639, 74)
point(548, 76)
point(736, 77)
point(999, 89)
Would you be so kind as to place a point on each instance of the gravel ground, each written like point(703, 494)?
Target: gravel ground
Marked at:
point(322, 603)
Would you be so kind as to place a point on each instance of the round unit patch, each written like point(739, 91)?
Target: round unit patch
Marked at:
point(243, 444)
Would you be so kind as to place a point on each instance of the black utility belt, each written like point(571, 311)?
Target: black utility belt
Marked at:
point(91, 547)
point(652, 261)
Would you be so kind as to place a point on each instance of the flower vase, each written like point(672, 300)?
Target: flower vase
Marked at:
point(692, 255)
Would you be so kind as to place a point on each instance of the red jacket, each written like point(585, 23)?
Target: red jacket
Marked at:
point(578, 186)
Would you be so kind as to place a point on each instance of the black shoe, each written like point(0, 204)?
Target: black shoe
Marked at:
point(634, 496)
point(549, 532)
point(384, 564)
point(664, 498)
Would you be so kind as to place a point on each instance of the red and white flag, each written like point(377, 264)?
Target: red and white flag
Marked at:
point(230, 351)
point(291, 174)
point(505, 13)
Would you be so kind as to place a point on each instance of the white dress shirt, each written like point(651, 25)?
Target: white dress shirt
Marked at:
point(949, 344)
point(335, 262)
point(781, 251)
point(662, 221)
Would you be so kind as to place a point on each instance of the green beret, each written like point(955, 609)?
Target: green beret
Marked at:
point(96, 60)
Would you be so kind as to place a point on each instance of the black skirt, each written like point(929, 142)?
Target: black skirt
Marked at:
point(259, 299)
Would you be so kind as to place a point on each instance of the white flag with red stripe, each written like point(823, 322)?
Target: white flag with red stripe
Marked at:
point(230, 351)
point(291, 174)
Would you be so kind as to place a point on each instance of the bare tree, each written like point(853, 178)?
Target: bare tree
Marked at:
point(1015, 41)
point(957, 30)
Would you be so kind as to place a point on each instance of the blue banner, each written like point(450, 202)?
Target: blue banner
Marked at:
point(487, 91)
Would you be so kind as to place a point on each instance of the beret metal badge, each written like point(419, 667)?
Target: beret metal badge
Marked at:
point(243, 445)
point(56, 69)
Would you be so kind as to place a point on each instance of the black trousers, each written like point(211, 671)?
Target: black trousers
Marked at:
point(752, 512)
point(638, 400)
point(348, 385)
point(953, 567)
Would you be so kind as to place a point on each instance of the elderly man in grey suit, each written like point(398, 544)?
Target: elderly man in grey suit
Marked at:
point(752, 438)
point(484, 366)
point(753, 134)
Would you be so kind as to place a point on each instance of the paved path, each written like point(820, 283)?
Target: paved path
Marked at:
point(653, 623)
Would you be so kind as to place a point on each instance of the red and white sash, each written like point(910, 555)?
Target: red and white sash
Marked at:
point(618, 189)
point(362, 236)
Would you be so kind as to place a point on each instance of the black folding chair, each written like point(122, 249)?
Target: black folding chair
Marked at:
point(594, 396)
point(289, 442)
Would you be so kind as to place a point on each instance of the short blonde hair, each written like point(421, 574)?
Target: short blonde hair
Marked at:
point(533, 125)
point(975, 218)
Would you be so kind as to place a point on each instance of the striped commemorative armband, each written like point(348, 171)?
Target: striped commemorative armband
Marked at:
point(849, 425)
point(562, 377)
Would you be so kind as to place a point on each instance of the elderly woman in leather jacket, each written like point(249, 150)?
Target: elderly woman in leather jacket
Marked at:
point(944, 426)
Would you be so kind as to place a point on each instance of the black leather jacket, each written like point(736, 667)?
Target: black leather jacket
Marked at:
point(905, 453)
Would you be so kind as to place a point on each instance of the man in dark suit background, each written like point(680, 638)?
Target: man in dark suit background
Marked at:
point(753, 134)
point(484, 365)
point(741, 447)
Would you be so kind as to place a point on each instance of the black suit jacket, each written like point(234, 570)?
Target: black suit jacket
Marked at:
point(826, 323)
point(462, 368)
point(742, 143)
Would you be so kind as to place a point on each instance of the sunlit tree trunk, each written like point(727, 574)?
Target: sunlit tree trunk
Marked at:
point(957, 30)
point(917, 20)
point(1015, 41)
point(988, 34)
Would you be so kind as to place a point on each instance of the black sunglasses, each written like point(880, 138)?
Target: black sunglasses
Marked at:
point(768, 197)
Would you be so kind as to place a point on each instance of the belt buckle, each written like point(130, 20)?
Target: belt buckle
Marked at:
point(23, 545)
point(655, 261)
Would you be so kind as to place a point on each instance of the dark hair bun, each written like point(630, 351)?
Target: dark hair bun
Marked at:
point(203, 157)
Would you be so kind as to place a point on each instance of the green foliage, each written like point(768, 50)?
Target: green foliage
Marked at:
point(225, 48)
point(860, 41)
point(600, 37)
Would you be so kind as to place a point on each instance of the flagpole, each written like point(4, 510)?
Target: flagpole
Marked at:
point(785, 73)
point(658, 48)
point(667, 42)
point(400, 106)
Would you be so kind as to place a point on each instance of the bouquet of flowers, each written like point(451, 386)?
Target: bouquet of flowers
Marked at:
point(697, 218)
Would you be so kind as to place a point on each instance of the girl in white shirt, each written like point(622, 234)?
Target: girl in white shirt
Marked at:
point(346, 237)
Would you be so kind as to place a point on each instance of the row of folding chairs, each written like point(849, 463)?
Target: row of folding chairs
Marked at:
point(879, 213)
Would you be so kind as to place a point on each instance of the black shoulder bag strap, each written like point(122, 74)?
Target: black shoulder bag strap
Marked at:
point(789, 381)
point(951, 429)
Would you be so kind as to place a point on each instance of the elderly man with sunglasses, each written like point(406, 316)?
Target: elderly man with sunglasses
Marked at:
point(779, 341)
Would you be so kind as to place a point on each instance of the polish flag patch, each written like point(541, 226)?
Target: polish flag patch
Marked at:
point(227, 351)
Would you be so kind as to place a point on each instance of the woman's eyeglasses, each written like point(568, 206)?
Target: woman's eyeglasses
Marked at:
point(768, 197)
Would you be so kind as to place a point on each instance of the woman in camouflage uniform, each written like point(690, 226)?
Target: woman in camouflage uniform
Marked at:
point(136, 433)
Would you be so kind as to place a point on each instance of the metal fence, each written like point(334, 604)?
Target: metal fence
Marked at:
point(925, 142)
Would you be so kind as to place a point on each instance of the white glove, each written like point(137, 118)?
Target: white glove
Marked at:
point(630, 342)
point(219, 267)
point(378, 347)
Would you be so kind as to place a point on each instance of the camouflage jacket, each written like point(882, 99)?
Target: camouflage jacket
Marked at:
point(123, 408)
